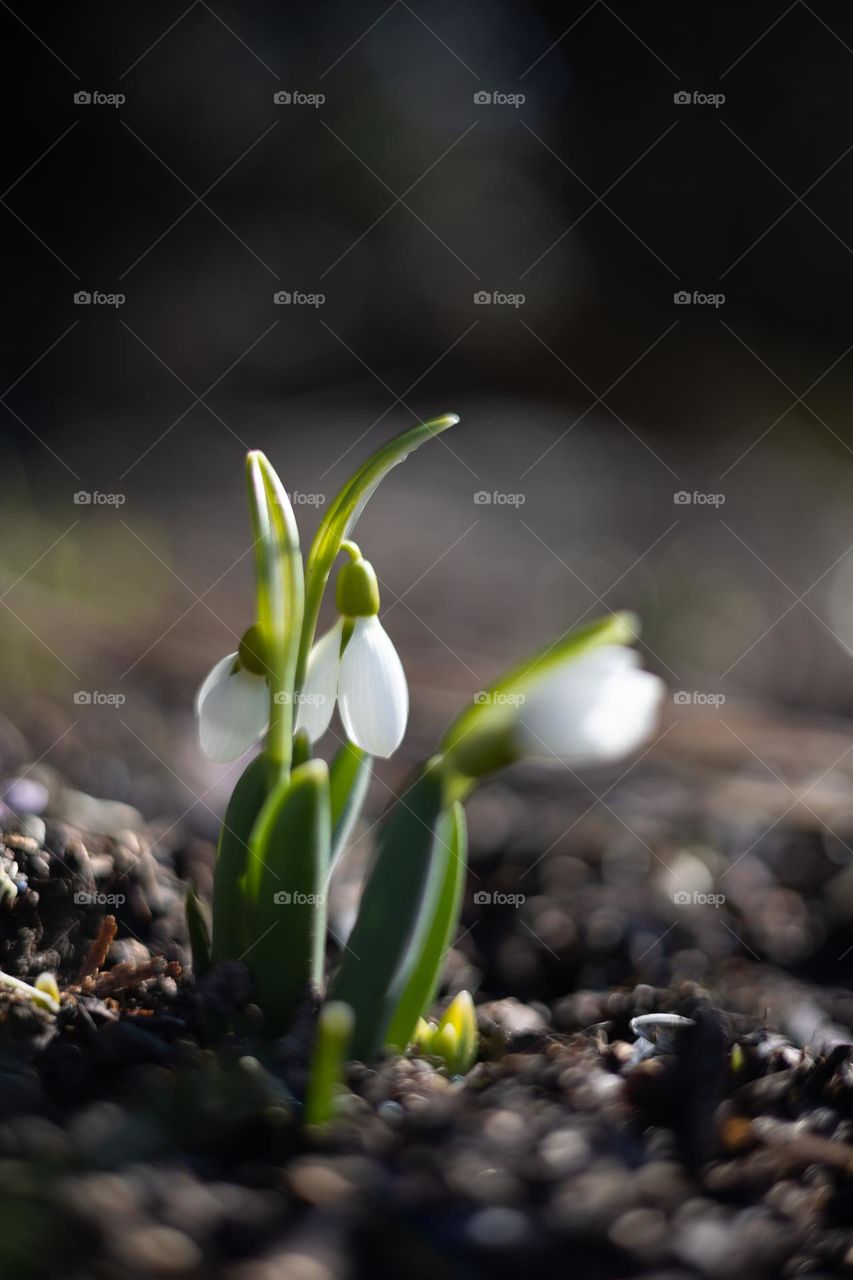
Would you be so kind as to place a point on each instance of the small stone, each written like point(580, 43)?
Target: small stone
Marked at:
point(565, 1151)
point(497, 1228)
point(26, 796)
point(641, 1231)
point(511, 1017)
point(326, 1182)
point(38, 866)
point(34, 827)
point(157, 1251)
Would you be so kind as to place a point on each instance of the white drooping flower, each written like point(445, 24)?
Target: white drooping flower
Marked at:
point(372, 690)
point(367, 680)
point(232, 710)
point(592, 710)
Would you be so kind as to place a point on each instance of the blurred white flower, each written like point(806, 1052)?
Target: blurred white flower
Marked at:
point(594, 709)
point(232, 710)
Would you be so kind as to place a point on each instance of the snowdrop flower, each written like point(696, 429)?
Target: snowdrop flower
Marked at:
point(592, 710)
point(367, 678)
point(232, 704)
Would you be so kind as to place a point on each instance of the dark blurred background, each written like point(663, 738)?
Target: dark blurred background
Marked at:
point(626, 154)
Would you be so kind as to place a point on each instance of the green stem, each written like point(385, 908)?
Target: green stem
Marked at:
point(334, 1033)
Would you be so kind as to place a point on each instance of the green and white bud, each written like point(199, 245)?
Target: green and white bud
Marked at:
point(356, 663)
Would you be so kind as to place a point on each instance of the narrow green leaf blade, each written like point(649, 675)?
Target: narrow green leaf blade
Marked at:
point(399, 898)
point(420, 973)
point(349, 779)
point(232, 859)
point(290, 851)
point(281, 599)
point(342, 515)
point(198, 933)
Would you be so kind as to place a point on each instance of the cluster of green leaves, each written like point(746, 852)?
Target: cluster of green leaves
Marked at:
point(289, 818)
point(290, 815)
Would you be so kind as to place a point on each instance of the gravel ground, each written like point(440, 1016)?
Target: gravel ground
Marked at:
point(140, 1138)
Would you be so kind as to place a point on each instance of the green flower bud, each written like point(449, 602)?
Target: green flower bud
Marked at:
point(251, 654)
point(357, 591)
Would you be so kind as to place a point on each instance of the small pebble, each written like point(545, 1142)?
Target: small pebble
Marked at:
point(153, 1250)
point(26, 795)
point(33, 827)
point(497, 1228)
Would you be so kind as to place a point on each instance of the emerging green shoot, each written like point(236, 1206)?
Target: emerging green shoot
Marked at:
point(454, 1039)
point(331, 1050)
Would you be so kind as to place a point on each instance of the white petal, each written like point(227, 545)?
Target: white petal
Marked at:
point(232, 710)
point(372, 690)
point(216, 674)
point(317, 698)
point(598, 708)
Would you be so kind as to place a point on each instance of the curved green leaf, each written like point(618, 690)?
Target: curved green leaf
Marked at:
point(349, 779)
point(287, 892)
point(398, 901)
point(281, 597)
point(420, 972)
point(342, 515)
point(232, 858)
